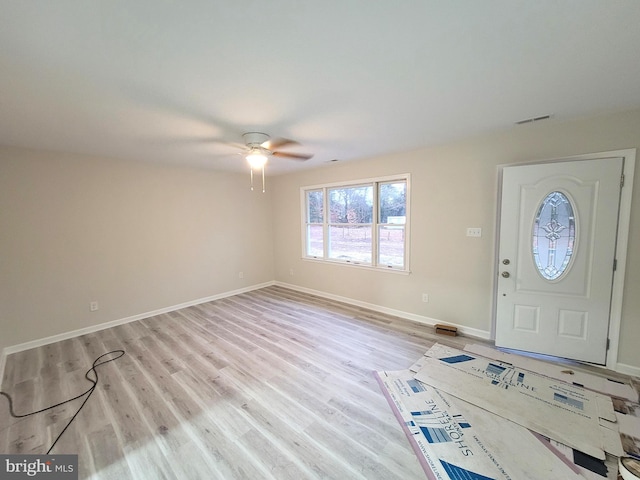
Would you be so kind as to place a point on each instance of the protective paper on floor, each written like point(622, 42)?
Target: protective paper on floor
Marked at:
point(608, 386)
point(456, 440)
point(589, 467)
point(628, 415)
point(571, 415)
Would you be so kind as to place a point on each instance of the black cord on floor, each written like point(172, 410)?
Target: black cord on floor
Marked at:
point(96, 363)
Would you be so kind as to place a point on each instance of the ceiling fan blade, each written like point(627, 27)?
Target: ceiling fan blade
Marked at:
point(275, 143)
point(202, 140)
point(294, 156)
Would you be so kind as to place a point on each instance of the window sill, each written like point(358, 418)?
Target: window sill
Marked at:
point(385, 269)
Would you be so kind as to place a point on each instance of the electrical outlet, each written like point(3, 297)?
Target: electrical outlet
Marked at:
point(474, 232)
point(425, 297)
point(93, 306)
point(240, 274)
point(291, 272)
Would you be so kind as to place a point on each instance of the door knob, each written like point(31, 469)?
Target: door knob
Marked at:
point(506, 274)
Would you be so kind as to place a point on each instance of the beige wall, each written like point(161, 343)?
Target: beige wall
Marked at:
point(138, 237)
point(454, 187)
point(133, 236)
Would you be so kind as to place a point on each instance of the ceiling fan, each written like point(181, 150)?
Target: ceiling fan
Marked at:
point(260, 146)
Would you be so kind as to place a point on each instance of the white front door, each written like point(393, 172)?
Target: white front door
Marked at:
point(558, 227)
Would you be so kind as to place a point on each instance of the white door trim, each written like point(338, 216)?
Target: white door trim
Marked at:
point(624, 219)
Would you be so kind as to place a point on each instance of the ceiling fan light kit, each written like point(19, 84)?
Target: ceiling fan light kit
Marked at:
point(256, 158)
point(260, 147)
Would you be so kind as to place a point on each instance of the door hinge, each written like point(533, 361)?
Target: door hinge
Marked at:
point(622, 180)
point(608, 343)
point(615, 264)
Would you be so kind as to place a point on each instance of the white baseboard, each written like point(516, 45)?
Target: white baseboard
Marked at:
point(102, 326)
point(628, 369)
point(467, 331)
point(472, 332)
point(3, 359)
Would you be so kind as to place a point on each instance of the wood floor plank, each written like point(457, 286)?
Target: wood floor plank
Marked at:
point(267, 384)
point(275, 461)
point(106, 454)
point(146, 459)
point(295, 443)
point(350, 451)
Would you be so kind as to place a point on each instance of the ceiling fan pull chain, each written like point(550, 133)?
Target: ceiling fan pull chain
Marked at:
point(263, 179)
point(251, 170)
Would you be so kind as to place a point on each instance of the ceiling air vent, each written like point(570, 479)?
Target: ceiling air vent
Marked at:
point(534, 119)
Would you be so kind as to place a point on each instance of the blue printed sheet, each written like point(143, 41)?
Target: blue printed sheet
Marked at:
point(456, 440)
point(576, 417)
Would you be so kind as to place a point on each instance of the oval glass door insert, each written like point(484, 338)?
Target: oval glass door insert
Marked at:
point(554, 235)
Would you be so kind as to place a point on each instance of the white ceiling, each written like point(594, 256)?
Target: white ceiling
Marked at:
point(177, 81)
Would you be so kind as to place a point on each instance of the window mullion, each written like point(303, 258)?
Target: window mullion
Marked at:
point(325, 220)
point(374, 226)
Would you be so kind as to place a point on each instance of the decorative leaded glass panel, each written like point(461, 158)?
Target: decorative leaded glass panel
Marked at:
point(554, 235)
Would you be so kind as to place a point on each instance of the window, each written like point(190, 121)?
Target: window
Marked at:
point(554, 235)
point(360, 223)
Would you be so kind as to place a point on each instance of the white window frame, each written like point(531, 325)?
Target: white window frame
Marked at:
point(374, 182)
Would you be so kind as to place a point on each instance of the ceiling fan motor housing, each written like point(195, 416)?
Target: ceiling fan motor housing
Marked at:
point(255, 139)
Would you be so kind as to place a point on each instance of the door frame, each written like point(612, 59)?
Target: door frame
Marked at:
point(622, 242)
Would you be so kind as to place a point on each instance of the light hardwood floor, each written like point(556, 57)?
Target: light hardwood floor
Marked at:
point(268, 384)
